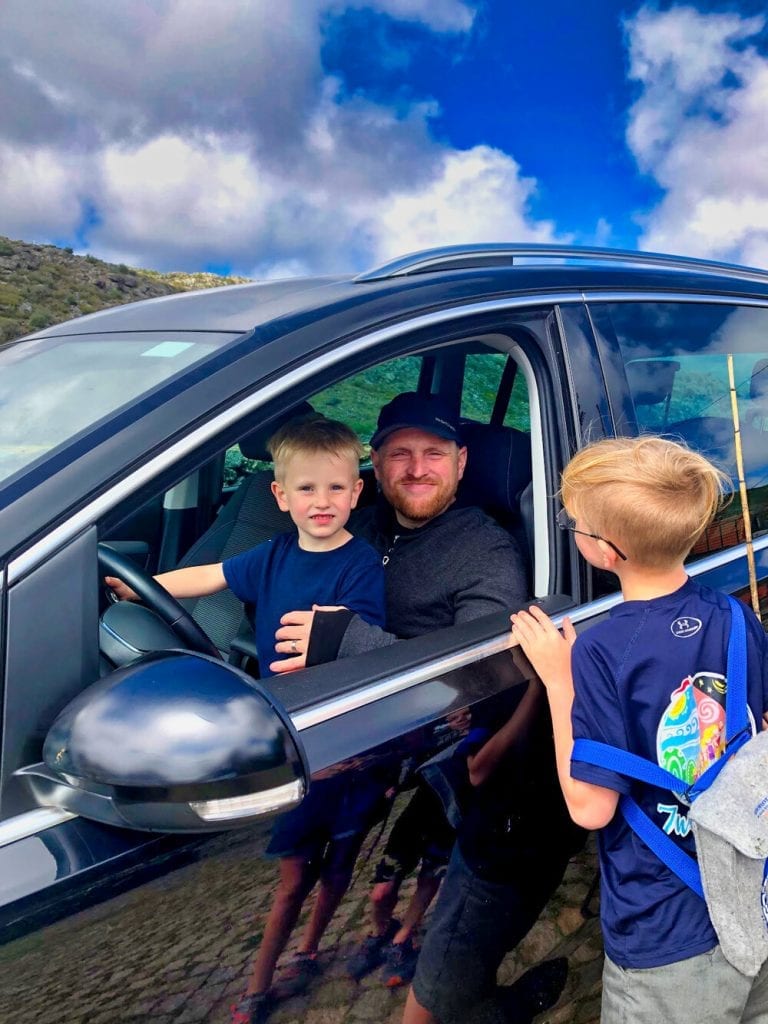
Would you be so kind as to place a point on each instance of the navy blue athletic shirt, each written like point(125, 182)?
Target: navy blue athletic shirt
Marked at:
point(651, 680)
point(278, 577)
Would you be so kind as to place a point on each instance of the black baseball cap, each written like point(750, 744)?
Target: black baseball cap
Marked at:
point(420, 412)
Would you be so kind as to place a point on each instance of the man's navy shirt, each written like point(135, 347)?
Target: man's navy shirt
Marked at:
point(651, 680)
point(278, 577)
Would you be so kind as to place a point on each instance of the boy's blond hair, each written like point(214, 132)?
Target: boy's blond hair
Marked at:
point(651, 497)
point(309, 436)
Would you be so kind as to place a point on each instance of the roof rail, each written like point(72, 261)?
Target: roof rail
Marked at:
point(489, 254)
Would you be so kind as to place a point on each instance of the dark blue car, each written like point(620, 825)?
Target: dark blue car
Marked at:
point(133, 441)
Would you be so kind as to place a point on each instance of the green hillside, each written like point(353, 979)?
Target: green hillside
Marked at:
point(42, 285)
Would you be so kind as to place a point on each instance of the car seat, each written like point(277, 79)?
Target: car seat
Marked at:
point(497, 479)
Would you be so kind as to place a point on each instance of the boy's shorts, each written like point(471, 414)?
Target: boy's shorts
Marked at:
point(334, 809)
point(420, 835)
point(704, 988)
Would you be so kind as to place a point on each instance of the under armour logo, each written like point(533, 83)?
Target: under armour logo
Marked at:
point(685, 627)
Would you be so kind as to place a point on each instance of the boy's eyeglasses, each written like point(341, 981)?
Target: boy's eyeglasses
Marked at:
point(566, 522)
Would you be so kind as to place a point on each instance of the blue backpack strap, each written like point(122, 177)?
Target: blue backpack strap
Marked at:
point(603, 755)
point(668, 852)
point(736, 716)
point(737, 727)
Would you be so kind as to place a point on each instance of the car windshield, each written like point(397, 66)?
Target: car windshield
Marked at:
point(51, 389)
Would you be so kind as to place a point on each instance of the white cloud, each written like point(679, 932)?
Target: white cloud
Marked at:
point(198, 133)
point(699, 127)
point(478, 196)
point(41, 190)
point(440, 15)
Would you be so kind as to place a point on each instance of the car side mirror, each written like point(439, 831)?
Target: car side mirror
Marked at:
point(174, 742)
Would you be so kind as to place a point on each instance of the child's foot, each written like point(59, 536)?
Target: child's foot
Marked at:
point(295, 979)
point(253, 1009)
point(370, 952)
point(399, 963)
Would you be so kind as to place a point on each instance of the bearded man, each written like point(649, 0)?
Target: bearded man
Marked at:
point(444, 563)
point(447, 563)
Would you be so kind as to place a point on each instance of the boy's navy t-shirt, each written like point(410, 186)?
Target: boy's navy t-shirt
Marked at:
point(651, 680)
point(278, 577)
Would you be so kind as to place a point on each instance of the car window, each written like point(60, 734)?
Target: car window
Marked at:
point(675, 359)
point(52, 389)
point(483, 375)
point(357, 399)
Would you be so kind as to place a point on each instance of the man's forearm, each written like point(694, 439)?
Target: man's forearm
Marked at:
point(360, 636)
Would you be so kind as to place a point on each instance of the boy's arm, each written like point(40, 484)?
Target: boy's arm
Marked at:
point(194, 581)
point(549, 652)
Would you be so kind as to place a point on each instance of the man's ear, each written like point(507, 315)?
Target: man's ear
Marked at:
point(462, 461)
point(279, 493)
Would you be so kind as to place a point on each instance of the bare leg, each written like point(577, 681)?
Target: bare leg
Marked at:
point(414, 1012)
point(329, 895)
point(297, 876)
point(383, 902)
point(336, 875)
point(426, 890)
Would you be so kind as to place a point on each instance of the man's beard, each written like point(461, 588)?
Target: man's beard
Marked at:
point(421, 509)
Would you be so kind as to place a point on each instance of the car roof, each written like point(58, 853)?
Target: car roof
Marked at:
point(492, 267)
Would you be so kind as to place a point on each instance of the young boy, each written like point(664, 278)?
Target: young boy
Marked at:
point(317, 481)
point(649, 680)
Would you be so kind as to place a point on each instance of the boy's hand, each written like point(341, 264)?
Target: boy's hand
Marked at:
point(121, 591)
point(547, 649)
point(293, 638)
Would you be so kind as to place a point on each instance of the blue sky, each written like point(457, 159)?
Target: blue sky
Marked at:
point(328, 135)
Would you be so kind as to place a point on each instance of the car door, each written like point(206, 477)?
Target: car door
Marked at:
point(175, 944)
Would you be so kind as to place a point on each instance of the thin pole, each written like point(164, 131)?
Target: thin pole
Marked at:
point(743, 489)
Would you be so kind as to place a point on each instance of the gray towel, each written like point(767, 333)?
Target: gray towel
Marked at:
point(730, 823)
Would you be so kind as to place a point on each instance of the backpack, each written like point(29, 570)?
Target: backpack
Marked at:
point(729, 813)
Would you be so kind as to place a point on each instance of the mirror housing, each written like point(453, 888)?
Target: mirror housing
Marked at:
point(174, 742)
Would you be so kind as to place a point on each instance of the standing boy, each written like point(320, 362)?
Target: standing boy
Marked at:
point(317, 481)
point(644, 681)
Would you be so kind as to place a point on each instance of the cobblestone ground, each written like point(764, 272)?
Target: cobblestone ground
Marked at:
point(176, 951)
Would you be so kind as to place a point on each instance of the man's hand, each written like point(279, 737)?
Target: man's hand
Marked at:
point(293, 638)
point(547, 649)
point(121, 591)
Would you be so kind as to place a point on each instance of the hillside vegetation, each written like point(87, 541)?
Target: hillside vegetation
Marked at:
point(42, 285)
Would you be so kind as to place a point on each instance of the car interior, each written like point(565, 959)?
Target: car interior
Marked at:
point(227, 511)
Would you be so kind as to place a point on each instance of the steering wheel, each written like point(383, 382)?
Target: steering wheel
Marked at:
point(157, 599)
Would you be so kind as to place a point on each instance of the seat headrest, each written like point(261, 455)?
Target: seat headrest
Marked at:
point(651, 380)
point(498, 469)
point(254, 445)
